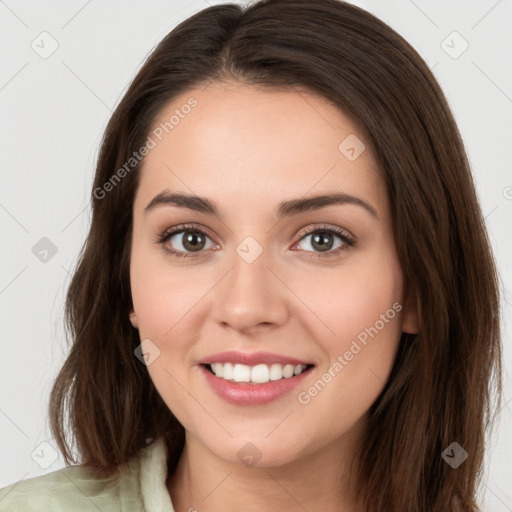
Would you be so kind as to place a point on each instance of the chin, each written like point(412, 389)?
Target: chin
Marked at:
point(257, 451)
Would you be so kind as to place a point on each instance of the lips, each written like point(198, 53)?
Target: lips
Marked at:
point(252, 358)
point(251, 390)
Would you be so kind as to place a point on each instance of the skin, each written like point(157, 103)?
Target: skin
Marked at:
point(247, 149)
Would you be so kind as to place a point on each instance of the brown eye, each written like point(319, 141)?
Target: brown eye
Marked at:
point(322, 241)
point(183, 241)
point(192, 241)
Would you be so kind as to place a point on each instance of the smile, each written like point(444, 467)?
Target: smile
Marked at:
point(258, 374)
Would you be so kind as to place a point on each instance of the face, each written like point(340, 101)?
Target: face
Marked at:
point(315, 282)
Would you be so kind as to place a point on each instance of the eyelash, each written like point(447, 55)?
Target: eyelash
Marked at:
point(349, 242)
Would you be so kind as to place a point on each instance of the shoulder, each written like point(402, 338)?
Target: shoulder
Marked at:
point(137, 485)
point(69, 488)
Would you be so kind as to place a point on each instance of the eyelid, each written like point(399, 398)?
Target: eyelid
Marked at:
point(326, 227)
point(187, 227)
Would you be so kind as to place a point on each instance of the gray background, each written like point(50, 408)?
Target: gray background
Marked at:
point(54, 111)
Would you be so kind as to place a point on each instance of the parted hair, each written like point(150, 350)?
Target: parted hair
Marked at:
point(446, 381)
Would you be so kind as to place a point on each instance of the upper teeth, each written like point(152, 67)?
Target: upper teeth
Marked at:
point(259, 374)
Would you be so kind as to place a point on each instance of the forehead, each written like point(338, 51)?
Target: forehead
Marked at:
point(235, 142)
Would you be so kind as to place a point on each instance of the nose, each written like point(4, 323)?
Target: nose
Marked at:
point(251, 296)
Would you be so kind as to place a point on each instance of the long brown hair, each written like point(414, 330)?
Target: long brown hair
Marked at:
point(444, 378)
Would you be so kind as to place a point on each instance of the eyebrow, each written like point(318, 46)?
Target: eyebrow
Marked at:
point(284, 209)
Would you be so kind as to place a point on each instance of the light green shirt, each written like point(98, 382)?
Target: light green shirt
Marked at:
point(138, 486)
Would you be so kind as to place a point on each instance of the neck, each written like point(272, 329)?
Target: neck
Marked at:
point(319, 481)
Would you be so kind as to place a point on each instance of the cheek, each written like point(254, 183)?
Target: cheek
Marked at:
point(162, 294)
point(347, 300)
point(357, 325)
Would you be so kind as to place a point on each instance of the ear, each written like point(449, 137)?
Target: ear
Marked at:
point(410, 322)
point(133, 319)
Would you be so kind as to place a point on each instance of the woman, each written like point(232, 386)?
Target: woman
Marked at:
point(287, 298)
